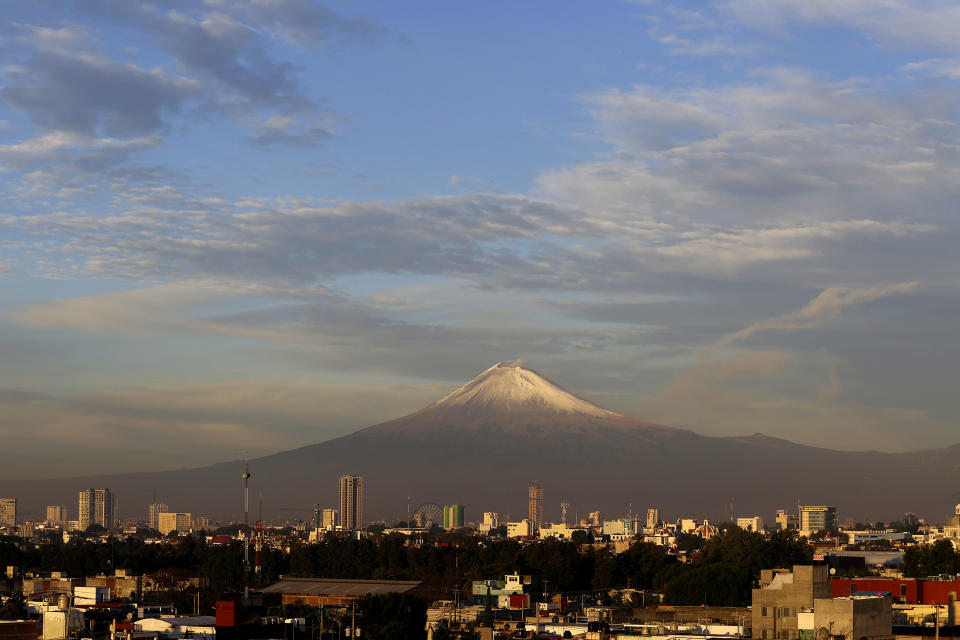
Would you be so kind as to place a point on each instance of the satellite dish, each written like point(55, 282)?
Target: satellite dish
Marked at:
point(822, 633)
point(833, 571)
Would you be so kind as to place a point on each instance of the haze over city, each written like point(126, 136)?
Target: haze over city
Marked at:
point(230, 229)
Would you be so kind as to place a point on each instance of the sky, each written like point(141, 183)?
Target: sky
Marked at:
point(230, 228)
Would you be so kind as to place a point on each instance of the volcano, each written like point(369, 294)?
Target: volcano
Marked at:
point(484, 442)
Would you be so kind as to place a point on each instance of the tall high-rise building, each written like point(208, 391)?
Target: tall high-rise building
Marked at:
point(453, 516)
point(351, 502)
point(8, 512)
point(153, 513)
point(535, 505)
point(56, 514)
point(96, 506)
point(653, 518)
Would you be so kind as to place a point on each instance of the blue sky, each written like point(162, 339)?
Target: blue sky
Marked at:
point(269, 222)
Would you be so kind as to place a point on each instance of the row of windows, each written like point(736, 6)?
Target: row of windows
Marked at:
point(780, 612)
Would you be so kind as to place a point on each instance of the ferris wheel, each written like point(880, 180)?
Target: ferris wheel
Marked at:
point(427, 514)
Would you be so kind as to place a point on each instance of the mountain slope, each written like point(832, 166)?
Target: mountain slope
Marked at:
point(481, 444)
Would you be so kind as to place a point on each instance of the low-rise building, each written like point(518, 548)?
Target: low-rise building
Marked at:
point(854, 617)
point(330, 592)
point(800, 605)
point(522, 529)
point(751, 523)
point(782, 596)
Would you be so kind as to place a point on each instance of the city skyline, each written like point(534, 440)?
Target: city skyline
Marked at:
point(234, 229)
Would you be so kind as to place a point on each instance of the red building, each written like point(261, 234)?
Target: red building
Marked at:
point(903, 590)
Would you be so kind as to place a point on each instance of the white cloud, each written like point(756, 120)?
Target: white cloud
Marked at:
point(825, 307)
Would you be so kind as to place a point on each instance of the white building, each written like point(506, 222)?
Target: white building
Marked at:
point(522, 529)
point(180, 627)
point(90, 595)
point(751, 523)
point(179, 522)
point(559, 531)
point(491, 520)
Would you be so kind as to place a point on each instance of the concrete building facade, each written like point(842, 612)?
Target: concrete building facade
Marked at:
point(653, 518)
point(786, 520)
point(153, 514)
point(351, 502)
point(8, 512)
point(96, 506)
point(56, 514)
point(782, 596)
point(168, 522)
point(854, 617)
point(752, 523)
point(535, 504)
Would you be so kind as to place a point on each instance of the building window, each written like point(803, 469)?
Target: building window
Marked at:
point(764, 612)
point(764, 634)
point(853, 588)
point(952, 596)
point(903, 590)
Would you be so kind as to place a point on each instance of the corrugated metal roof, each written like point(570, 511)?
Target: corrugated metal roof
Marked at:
point(339, 587)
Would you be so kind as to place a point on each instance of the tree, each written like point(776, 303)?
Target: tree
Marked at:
point(580, 537)
point(15, 608)
point(930, 560)
point(689, 542)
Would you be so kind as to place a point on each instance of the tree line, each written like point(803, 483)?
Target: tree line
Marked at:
point(720, 571)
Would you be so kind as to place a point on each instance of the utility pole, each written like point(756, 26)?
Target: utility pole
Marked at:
point(353, 621)
point(246, 532)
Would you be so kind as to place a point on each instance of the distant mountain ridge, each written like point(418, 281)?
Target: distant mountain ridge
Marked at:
point(482, 443)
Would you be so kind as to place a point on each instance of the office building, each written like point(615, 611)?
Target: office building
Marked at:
point(329, 519)
point(653, 518)
point(351, 502)
point(453, 516)
point(96, 506)
point(535, 505)
point(153, 512)
point(202, 523)
point(786, 520)
point(817, 518)
point(8, 512)
point(56, 514)
point(179, 522)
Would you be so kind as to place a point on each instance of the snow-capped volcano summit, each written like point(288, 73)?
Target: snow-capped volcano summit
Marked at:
point(508, 396)
point(511, 387)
